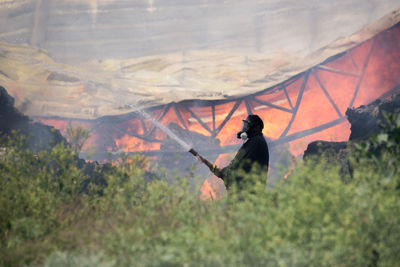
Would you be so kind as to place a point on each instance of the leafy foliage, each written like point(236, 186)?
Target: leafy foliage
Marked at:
point(77, 137)
point(313, 218)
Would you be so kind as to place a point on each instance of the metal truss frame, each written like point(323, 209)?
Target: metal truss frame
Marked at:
point(109, 123)
point(214, 131)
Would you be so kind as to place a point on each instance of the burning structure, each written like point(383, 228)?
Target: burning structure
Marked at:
point(310, 105)
point(300, 100)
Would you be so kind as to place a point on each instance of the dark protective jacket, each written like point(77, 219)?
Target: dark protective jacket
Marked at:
point(254, 150)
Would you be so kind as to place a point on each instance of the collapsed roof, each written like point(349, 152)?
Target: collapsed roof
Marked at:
point(308, 106)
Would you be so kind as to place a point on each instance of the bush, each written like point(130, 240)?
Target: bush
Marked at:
point(313, 218)
point(66, 259)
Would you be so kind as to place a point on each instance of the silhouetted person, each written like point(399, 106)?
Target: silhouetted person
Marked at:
point(253, 153)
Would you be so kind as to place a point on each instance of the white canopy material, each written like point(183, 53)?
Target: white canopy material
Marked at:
point(90, 58)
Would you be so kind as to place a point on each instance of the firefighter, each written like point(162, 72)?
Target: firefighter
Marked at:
point(253, 153)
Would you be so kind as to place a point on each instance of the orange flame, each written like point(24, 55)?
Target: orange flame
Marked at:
point(213, 188)
point(207, 192)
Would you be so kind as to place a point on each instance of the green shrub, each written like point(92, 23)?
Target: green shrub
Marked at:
point(313, 218)
point(32, 188)
point(67, 259)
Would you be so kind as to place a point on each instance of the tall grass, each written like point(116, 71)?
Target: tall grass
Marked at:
point(314, 218)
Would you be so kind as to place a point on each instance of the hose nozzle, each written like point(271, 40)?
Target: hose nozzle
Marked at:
point(193, 152)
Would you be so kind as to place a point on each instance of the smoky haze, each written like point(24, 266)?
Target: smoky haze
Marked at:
point(74, 31)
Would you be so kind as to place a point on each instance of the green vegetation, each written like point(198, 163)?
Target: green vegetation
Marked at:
point(314, 218)
point(77, 137)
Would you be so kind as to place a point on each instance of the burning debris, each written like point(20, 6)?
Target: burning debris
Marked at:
point(365, 122)
point(365, 119)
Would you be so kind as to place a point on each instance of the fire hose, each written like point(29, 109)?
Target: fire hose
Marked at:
point(213, 168)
